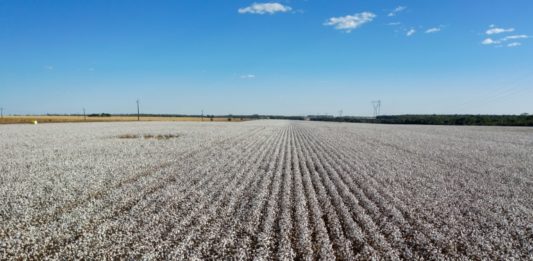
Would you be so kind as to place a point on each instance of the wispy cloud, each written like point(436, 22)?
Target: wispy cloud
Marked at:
point(264, 8)
point(394, 23)
point(499, 42)
point(397, 10)
point(410, 32)
point(49, 67)
point(515, 37)
point(433, 30)
point(350, 22)
point(497, 30)
point(248, 76)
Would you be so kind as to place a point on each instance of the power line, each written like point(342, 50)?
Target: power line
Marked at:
point(506, 95)
point(503, 91)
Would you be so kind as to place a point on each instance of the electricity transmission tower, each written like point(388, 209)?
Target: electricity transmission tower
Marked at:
point(377, 107)
point(340, 113)
point(202, 115)
point(138, 111)
point(84, 115)
point(2, 112)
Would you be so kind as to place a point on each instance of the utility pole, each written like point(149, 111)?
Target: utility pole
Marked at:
point(84, 116)
point(377, 107)
point(138, 111)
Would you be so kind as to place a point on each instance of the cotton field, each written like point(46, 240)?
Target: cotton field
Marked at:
point(265, 190)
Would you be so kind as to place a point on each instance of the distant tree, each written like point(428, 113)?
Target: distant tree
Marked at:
point(99, 115)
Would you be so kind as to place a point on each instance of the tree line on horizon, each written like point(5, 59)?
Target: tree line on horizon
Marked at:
point(438, 119)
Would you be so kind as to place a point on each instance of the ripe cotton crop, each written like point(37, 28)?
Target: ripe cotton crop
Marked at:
point(276, 190)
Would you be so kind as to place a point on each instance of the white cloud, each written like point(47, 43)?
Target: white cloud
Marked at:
point(499, 42)
point(497, 30)
point(265, 8)
point(410, 32)
point(248, 76)
point(397, 10)
point(433, 30)
point(49, 67)
point(350, 22)
point(489, 41)
point(514, 37)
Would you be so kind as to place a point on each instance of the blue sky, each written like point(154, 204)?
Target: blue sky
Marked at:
point(286, 57)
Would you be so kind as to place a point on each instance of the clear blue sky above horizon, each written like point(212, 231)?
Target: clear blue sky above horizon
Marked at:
point(286, 57)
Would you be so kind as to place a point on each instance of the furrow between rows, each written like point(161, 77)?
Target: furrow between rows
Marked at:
point(338, 223)
point(111, 210)
point(285, 225)
point(221, 206)
point(302, 231)
point(419, 242)
point(163, 231)
point(249, 228)
point(220, 238)
point(266, 240)
point(341, 191)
